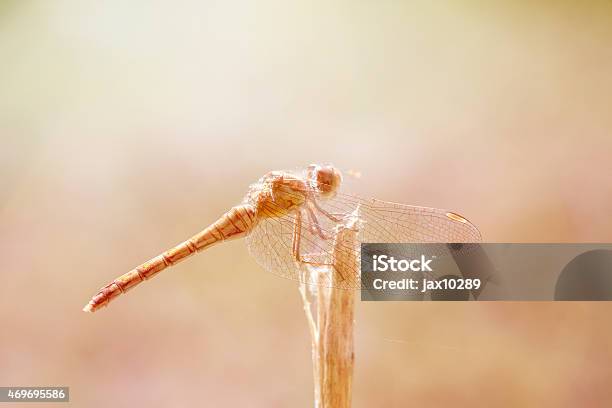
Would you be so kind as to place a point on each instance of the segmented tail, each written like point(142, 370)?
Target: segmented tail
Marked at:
point(235, 223)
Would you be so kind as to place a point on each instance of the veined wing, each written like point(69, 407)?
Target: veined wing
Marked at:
point(271, 244)
point(271, 240)
point(386, 222)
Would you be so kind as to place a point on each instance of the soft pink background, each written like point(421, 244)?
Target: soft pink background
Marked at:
point(127, 126)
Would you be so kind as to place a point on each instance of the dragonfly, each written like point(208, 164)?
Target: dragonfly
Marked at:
point(289, 218)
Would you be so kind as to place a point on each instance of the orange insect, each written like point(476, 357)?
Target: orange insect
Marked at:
point(289, 219)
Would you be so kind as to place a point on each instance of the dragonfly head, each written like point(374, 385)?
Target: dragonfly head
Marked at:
point(326, 179)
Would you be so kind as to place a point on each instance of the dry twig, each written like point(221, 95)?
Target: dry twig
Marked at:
point(331, 326)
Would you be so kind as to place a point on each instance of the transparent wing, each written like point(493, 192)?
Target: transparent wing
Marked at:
point(271, 244)
point(386, 222)
point(271, 241)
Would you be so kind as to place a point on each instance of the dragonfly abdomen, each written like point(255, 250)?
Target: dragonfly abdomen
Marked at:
point(235, 223)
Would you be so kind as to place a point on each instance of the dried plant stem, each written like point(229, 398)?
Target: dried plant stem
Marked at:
point(332, 329)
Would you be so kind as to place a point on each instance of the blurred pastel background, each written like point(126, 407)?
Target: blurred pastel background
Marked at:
point(125, 127)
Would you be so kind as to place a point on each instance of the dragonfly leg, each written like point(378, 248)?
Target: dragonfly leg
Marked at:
point(297, 231)
point(311, 225)
point(315, 228)
point(297, 239)
point(324, 212)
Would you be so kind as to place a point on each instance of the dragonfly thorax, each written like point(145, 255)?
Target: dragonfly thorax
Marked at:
point(278, 193)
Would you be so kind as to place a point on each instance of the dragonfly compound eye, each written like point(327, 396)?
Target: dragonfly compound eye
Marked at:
point(326, 179)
